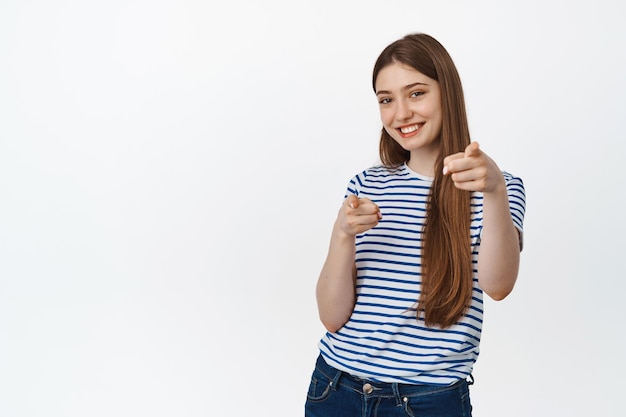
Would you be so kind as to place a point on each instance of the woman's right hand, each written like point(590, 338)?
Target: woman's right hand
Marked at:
point(357, 215)
point(336, 285)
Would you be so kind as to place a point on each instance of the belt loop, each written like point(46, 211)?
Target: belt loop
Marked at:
point(335, 382)
point(470, 380)
point(396, 392)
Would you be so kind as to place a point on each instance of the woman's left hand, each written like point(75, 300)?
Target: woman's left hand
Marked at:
point(473, 170)
point(498, 256)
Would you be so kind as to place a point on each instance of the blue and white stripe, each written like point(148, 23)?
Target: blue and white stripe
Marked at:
point(383, 340)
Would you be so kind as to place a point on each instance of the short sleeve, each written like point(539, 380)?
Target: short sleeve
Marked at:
point(517, 202)
point(355, 185)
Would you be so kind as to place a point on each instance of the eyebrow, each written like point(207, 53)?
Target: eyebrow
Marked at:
point(406, 87)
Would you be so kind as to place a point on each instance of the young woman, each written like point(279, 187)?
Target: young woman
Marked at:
point(416, 243)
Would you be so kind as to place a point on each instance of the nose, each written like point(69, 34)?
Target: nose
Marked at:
point(403, 110)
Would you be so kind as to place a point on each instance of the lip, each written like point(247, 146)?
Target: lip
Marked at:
point(411, 133)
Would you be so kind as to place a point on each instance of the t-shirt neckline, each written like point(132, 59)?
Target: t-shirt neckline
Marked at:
point(417, 174)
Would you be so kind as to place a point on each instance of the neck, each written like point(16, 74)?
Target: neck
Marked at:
point(423, 162)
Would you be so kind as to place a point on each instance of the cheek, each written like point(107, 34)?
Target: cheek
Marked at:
point(390, 132)
point(435, 109)
point(438, 119)
point(426, 109)
point(386, 117)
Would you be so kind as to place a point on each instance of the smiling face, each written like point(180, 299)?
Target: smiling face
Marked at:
point(410, 109)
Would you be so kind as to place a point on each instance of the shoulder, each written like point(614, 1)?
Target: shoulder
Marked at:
point(514, 185)
point(381, 172)
point(375, 176)
point(517, 198)
point(512, 179)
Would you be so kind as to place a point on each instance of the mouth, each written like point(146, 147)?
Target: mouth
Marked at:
point(407, 130)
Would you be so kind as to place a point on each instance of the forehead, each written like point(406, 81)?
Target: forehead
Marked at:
point(398, 75)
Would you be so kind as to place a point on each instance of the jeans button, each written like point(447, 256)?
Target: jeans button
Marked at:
point(367, 388)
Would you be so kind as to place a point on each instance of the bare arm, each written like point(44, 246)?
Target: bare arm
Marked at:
point(336, 284)
point(499, 255)
point(498, 259)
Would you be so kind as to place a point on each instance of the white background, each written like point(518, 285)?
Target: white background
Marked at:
point(170, 172)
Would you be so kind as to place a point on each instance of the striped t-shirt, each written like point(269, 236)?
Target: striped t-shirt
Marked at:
point(383, 340)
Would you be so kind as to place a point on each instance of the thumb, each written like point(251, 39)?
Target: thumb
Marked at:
point(473, 149)
point(352, 201)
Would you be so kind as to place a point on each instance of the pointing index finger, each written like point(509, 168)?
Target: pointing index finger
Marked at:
point(473, 149)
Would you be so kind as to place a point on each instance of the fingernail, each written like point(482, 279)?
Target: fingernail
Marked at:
point(445, 170)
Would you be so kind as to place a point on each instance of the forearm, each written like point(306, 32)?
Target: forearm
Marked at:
point(499, 255)
point(336, 284)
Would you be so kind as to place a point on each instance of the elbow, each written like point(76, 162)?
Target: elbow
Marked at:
point(498, 295)
point(498, 286)
point(332, 326)
point(334, 320)
point(501, 291)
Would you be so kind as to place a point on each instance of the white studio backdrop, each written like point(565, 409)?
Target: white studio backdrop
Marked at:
point(170, 172)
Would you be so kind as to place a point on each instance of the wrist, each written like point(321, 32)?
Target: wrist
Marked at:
point(341, 236)
point(498, 189)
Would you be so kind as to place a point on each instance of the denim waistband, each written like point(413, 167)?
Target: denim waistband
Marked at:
point(380, 389)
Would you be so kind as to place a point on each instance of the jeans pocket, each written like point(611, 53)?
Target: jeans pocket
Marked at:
point(452, 401)
point(320, 387)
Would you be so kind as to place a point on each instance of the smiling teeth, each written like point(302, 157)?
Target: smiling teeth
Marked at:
point(409, 129)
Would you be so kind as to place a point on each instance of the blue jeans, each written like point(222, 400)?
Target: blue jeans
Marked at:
point(333, 393)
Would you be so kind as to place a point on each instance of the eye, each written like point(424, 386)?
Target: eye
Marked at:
point(416, 94)
point(385, 100)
